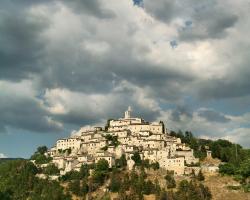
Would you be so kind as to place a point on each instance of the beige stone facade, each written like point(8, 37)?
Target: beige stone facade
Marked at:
point(134, 135)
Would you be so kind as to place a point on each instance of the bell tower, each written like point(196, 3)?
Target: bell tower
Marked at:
point(128, 113)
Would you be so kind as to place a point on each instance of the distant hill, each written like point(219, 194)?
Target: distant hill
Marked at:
point(7, 159)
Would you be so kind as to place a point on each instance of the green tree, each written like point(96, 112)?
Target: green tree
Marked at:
point(102, 165)
point(51, 169)
point(200, 176)
point(137, 158)
point(115, 182)
point(170, 181)
point(75, 187)
point(227, 168)
point(84, 171)
point(155, 165)
point(42, 149)
point(85, 187)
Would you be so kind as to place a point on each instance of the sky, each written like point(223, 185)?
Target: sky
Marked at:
point(68, 64)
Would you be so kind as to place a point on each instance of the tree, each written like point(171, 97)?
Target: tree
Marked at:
point(102, 165)
point(244, 169)
point(42, 149)
point(137, 158)
point(148, 187)
point(18, 181)
point(155, 165)
point(84, 171)
point(72, 175)
point(121, 162)
point(39, 156)
point(98, 177)
point(200, 176)
point(227, 168)
point(74, 187)
point(191, 190)
point(115, 183)
point(85, 187)
point(51, 169)
point(170, 181)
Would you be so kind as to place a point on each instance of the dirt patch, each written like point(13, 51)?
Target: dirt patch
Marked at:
point(218, 187)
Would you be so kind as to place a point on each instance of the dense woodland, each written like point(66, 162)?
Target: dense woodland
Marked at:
point(18, 178)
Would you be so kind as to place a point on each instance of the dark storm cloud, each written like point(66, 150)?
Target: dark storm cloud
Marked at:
point(24, 113)
point(208, 18)
point(234, 84)
point(212, 22)
point(21, 46)
point(79, 70)
point(213, 116)
point(164, 10)
point(22, 49)
point(91, 7)
point(180, 111)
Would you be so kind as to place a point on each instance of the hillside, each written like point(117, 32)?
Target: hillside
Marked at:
point(21, 179)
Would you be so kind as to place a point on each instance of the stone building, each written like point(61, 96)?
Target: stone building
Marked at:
point(133, 134)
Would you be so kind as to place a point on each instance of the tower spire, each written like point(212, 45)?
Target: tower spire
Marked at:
point(128, 113)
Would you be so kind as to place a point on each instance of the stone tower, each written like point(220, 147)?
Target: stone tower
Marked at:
point(128, 113)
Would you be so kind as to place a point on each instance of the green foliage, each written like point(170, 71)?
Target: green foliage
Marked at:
point(192, 190)
point(84, 171)
point(155, 166)
point(85, 187)
point(101, 172)
point(105, 148)
point(18, 182)
point(115, 182)
point(39, 156)
point(5, 195)
point(227, 168)
point(113, 140)
point(244, 169)
point(98, 177)
point(170, 181)
point(75, 187)
point(137, 158)
point(51, 169)
point(148, 187)
point(200, 176)
point(121, 162)
point(72, 175)
point(42, 149)
point(102, 165)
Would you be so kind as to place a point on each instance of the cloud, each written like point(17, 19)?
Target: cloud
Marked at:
point(79, 109)
point(91, 7)
point(209, 19)
point(213, 116)
point(20, 109)
point(21, 45)
point(2, 155)
point(76, 63)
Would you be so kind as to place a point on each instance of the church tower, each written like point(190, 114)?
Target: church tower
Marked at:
point(128, 113)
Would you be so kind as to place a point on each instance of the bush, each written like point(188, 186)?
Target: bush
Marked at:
point(227, 168)
point(137, 158)
point(200, 176)
point(72, 175)
point(170, 181)
point(102, 165)
point(115, 183)
point(51, 169)
point(155, 166)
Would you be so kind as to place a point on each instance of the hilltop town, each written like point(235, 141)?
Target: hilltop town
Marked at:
point(126, 136)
